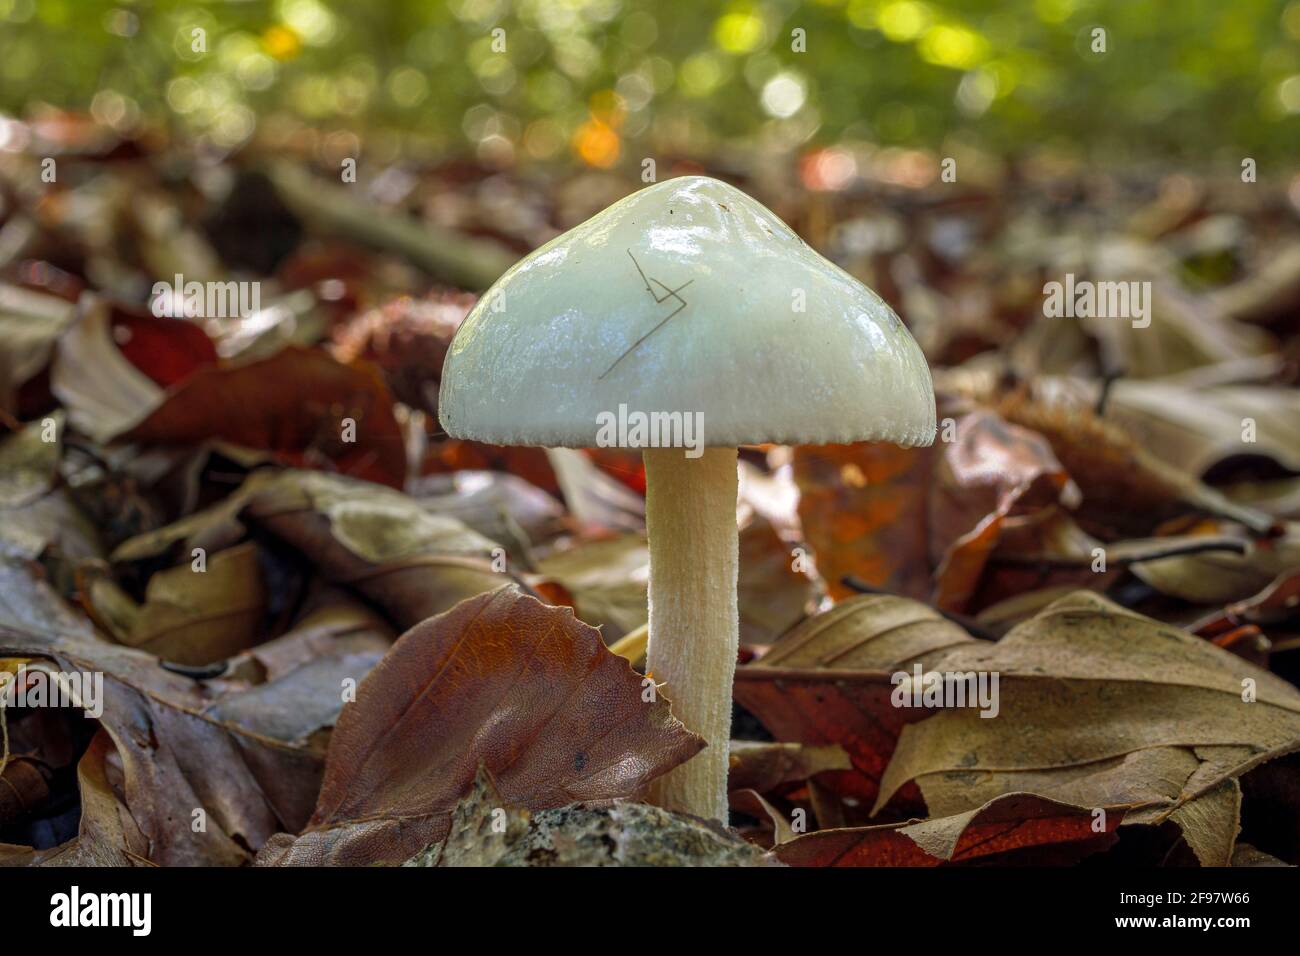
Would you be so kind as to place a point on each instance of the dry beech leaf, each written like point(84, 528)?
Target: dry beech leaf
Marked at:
point(103, 393)
point(29, 463)
point(297, 404)
point(828, 682)
point(594, 498)
point(107, 834)
point(751, 803)
point(525, 689)
point(290, 688)
point(1184, 331)
point(188, 616)
point(1198, 428)
point(1011, 823)
point(293, 403)
point(30, 325)
point(1101, 707)
point(213, 528)
point(1127, 489)
point(500, 506)
point(1210, 823)
point(1222, 577)
point(377, 541)
point(333, 622)
point(168, 747)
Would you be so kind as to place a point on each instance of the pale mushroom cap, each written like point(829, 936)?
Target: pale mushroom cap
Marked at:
point(773, 344)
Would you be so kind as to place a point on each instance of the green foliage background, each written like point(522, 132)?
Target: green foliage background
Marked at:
point(1195, 80)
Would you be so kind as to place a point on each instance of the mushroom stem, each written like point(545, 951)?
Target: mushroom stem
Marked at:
point(694, 621)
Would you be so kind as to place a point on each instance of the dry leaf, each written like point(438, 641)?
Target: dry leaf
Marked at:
point(829, 682)
point(503, 680)
point(1006, 824)
point(1099, 706)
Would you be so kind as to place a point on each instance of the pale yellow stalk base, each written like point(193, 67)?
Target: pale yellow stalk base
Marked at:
point(694, 620)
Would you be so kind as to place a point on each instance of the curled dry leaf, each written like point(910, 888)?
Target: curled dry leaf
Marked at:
point(1127, 488)
point(1198, 428)
point(29, 461)
point(379, 542)
point(500, 506)
point(300, 403)
point(103, 393)
point(1101, 707)
point(992, 470)
point(297, 403)
point(189, 616)
point(772, 595)
point(292, 688)
point(107, 834)
point(1221, 577)
point(167, 746)
point(501, 680)
point(30, 324)
point(594, 498)
point(603, 579)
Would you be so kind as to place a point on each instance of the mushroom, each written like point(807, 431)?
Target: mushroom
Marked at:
point(686, 297)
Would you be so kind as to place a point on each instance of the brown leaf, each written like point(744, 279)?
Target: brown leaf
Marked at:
point(764, 767)
point(603, 579)
point(30, 324)
point(176, 759)
point(295, 404)
point(992, 470)
point(107, 834)
point(29, 463)
point(188, 616)
point(1099, 707)
point(503, 680)
point(500, 506)
point(379, 542)
point(1127, 488)
point(864, 510)
point(772, 596)
point(292, 688)
point(829, 682)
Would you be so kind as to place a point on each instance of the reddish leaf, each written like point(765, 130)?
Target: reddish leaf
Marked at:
point(1017, 821)
point(167, 350)
point(502, 679)
point(991, 471)
point(864, 511)
point(295, 404)
point(828, 682)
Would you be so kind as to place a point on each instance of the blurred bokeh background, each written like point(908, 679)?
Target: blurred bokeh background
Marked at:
point(607, 82)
